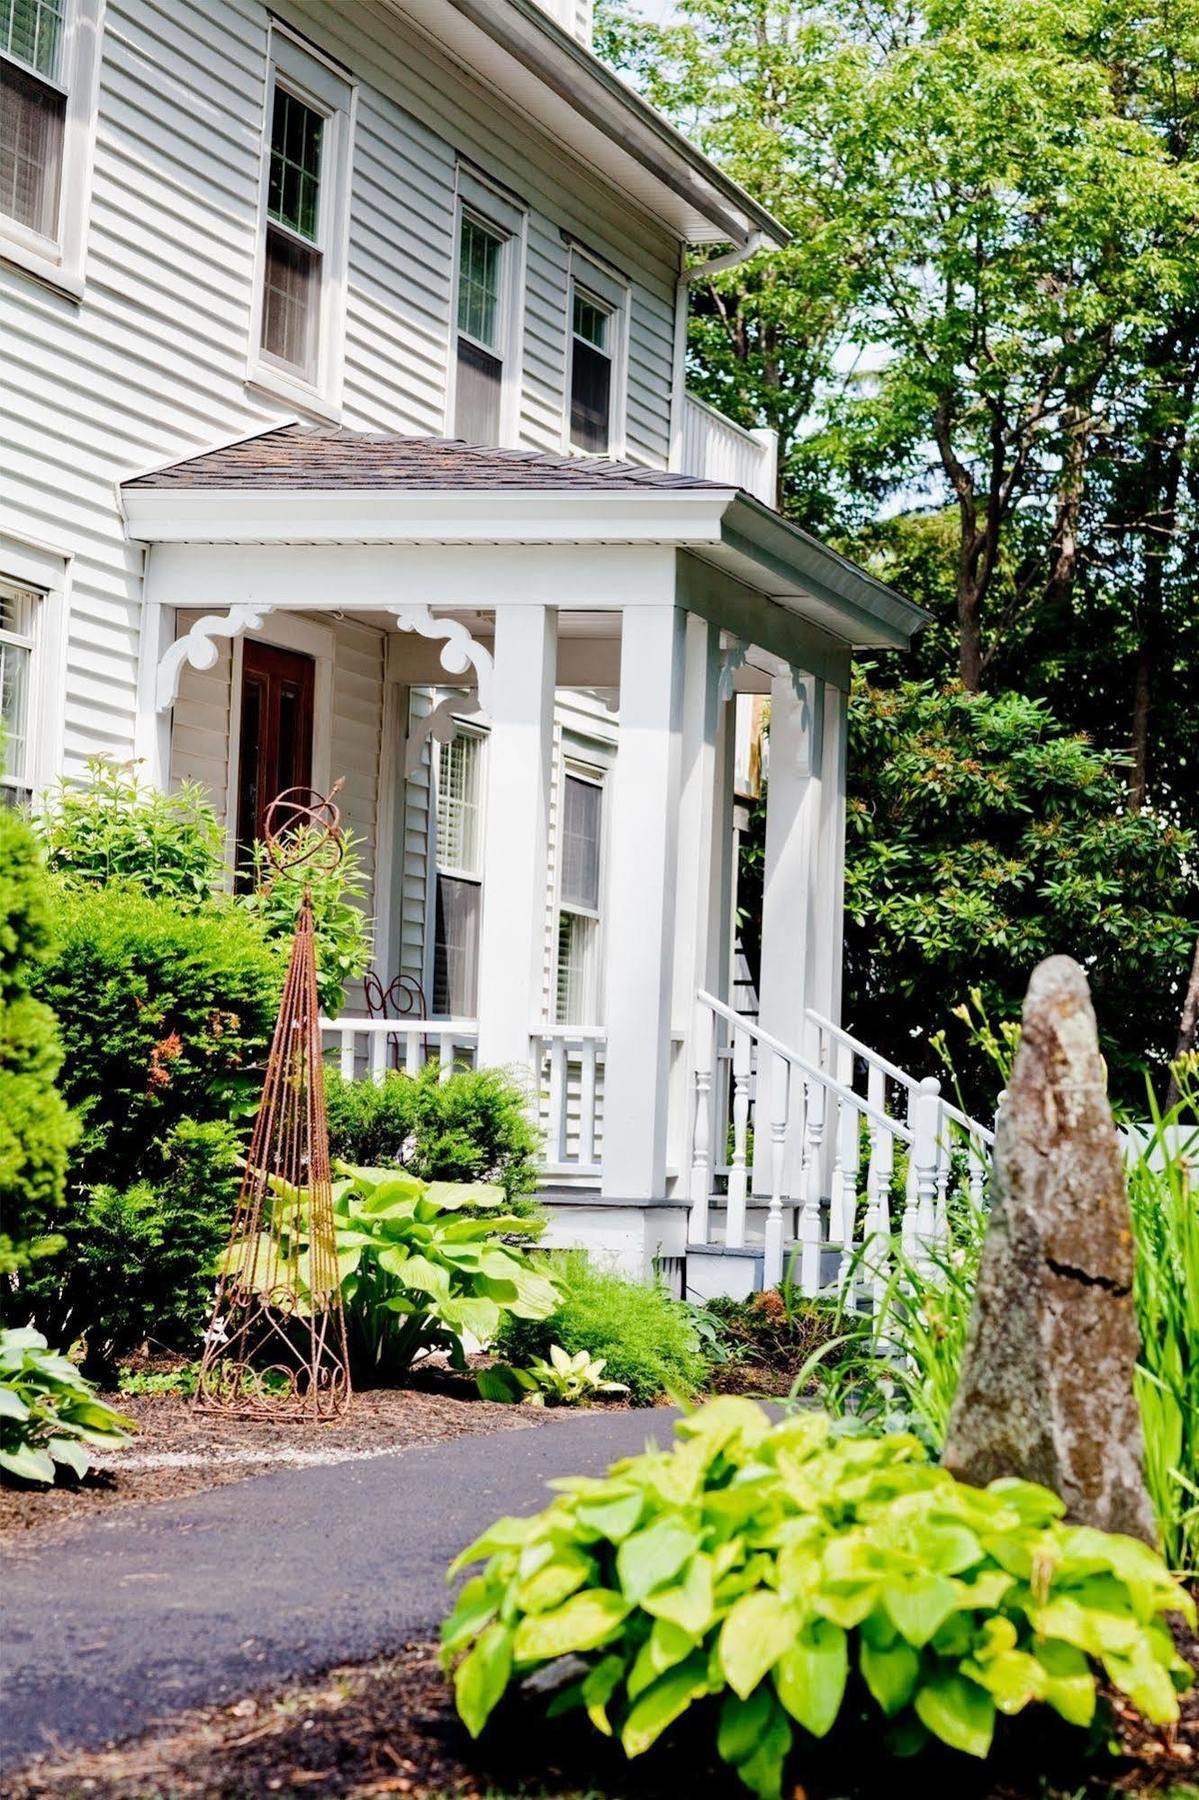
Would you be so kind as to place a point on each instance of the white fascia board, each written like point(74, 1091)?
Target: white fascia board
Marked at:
point(425, 516)
point(550, 76)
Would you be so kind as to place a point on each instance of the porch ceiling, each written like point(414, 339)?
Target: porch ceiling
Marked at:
point(299, 487)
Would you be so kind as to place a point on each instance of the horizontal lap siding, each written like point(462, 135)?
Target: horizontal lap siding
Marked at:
point(357, 734)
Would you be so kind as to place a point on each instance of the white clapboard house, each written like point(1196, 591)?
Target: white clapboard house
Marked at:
point(346, 435)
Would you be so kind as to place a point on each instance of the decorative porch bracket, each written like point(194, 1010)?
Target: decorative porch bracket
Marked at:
point(199, 647)
point(459, 652)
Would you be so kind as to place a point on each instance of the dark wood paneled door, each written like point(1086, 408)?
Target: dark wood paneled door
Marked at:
point(275, 742)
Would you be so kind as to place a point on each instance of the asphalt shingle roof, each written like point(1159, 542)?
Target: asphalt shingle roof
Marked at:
point(296, 457)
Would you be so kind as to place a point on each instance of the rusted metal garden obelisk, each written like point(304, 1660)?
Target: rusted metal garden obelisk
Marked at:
point(275, 1348)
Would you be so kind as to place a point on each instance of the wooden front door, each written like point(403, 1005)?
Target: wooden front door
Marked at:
point(275, 742)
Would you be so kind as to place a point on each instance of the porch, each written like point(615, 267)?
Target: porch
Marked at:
point(564, 896)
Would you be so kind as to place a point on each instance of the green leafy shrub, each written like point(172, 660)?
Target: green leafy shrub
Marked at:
point(422, 1263)
point(165, 1015)
point(760, 1569)
point(49, 1414)
point(562, 1381)
point(36, 1129)
point(139, 1262)
point(768, 1340)
point(118, 828)
point(473, 1127)
point(183, 1380)
point(343, 930)
point(647, 1340)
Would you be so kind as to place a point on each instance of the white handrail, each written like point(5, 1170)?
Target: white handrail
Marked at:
point(874, 1060)
point(797, 1061)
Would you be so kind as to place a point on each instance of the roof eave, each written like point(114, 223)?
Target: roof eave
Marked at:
point(881, 616)
point(527, 33)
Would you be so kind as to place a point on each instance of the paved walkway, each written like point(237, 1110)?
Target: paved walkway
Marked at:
point(193, 1602)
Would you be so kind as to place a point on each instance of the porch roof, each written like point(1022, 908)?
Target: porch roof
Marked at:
point(297, 485)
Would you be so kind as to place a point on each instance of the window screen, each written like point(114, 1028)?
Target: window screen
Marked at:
point(581, 803)
point(459, 804)
point(32, 112)
point(456, 948)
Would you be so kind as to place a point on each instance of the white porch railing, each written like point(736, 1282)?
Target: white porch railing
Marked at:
point(569, 1060)
point(716, 449)
point(826, 1136)
point(369, 1047)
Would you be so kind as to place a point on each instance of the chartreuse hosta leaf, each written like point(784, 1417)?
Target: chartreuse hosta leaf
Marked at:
point(750, 1569)
point(49, 1414)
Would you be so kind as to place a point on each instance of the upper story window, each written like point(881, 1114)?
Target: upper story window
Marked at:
point(459, 895)
point(579, 889)
point(48, 72)
point(18, 618)
point(598, 317)
point(305, 207)
point(485, 379)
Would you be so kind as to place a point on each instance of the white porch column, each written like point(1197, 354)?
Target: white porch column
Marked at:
point(515, 879)
point(693, 961)
point(642, 892)
point(826, 947)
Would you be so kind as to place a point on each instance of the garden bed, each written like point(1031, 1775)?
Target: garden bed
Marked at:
point(178, 1451)
point(389, 1728)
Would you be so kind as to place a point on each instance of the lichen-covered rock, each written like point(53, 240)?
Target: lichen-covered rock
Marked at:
point(1047, 1380)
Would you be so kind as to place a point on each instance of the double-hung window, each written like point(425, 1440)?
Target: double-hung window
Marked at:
point(597, 318)
point(48, 70)
point(18, 623)
point(304, 221)
point(486, 352)
point(579, 888)
point(459, 890)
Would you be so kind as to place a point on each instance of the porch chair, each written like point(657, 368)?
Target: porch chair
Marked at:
point(403, 997)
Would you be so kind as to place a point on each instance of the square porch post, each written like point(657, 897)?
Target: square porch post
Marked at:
point(643, 875)
point(515, 849)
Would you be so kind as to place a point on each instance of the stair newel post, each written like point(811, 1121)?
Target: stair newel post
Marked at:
point(780, 1085)
point(809, 1222)
point(926, 1121)
point(876, 1225)
point(734, 1234)
point(701, 1135)
point(907, 1224)
point(944, 1170)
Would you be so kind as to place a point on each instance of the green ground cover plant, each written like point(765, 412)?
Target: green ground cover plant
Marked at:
point(473, 1127)
point(647, 1340)
point(423, 1266)
point(562, 1380)
point(782, 1576)
point(50, 1417)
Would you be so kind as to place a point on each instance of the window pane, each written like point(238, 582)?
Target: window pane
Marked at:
point(16, 617)
point(32, 31)
point(456, 948)
point(477, 394)
point(576, 988)
point(590, 322)
point(590, 398)
point(581, 803)
point(479, 283)
point(31, 121)
point(459, 812)
point(290, 301)
point(293, 184)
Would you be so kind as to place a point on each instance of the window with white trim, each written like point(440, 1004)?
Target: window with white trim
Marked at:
point(48, 74)
point(579, 889)
point(306, 152)
point(458, 900)
point(480, 373)
point(590, 373)
point(18, 626)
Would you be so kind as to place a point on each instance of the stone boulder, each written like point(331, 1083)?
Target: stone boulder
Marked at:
point(1046, 1388)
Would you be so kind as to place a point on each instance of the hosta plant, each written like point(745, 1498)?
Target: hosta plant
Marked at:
point(777, 1576)
point(563, 1380)
point(49, 1415)
point(423, 1264)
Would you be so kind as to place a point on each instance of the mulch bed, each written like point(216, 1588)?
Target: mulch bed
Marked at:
point(179, 1451)
point(389, 1728)
point(765, 1348)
